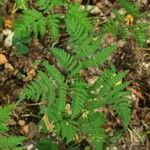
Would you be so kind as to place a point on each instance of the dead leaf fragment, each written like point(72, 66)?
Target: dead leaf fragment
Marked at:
point(8, 23)
point(49, 125)
point(3, 59)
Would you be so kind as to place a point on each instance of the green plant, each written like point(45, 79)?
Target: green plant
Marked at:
point(19, 4)
point(8, 142)
point(72, 107)
point(129, 24)
point(36, 22)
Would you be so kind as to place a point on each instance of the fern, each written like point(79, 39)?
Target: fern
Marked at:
point(118, 27)
point(53, 26)
point(79, 96)
point(131, 8)
point(68, 131)
point(32, 21)
point(91, 126)
point(11, 142)
point(139, 32)
point(76, 19)
point(62, 87)
point(5, 116)
point(47, 5)
point(112, 93)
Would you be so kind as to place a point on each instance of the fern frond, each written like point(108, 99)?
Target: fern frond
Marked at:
point(11, 142)
point(92, 128)
point(5, 113)
point(53, 26)
point(39, 89)
point(110, 27)
point(131, 8)
point(66, 61)
point(123, 109)
point(139, 33)
point(53, 72)
point(77, 20)
point(68, 131)
point(111, 92)
point(62, 97)
point(32, 21)
point(47, 5)
point(79, 96)
point(99, 57)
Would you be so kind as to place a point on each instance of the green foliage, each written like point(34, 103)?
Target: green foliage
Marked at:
point(1, 2)
point(130, 8)
point(48, 5)
point(53, 88)
point(19, 5)
point(112, 93)
point(10, 142)
point(53, 26)
point(46, 144)
point(119, 27)
point(70, 103)
point(139, 33)
point(5, 116)
point(32, 21)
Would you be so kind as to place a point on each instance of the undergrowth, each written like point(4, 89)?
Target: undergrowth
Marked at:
point(72, 109)
point(8, 142)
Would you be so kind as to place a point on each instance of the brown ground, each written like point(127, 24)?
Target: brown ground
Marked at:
point(21, 69)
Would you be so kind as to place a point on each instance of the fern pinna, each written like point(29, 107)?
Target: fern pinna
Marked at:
point(71, 104)
point(8, 142)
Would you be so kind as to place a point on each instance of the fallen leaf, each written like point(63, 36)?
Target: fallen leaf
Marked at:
point(129, 20)
point(3, 59)
point(8, 23)
point(49, 125)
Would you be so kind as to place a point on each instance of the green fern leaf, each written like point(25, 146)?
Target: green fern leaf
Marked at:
point(11, 142)
point(131, 8)
point(47, 5)
point(92, 128)
point(111, 92)
point(53, 72)
point(53, 26)
point(5, 113)
point(139, 33)
point(68, 131)
point(77, 18)
point(100, 57)
point(31, 21)
point(79, 96)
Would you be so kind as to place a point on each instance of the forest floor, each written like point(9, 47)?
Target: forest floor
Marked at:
point(20, 69)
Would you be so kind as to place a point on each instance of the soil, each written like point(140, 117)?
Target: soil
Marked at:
point(20, 69)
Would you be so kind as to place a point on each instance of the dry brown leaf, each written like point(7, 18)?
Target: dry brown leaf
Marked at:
point(9, 23)
point(49, 125)
point(3, 59)
point(68, 109)
point(25, 129)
